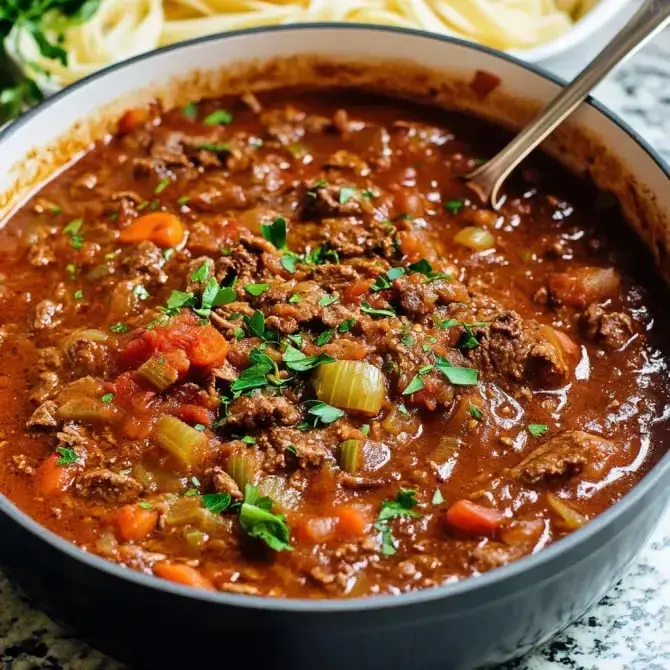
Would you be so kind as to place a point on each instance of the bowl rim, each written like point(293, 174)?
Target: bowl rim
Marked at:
point(379, 602)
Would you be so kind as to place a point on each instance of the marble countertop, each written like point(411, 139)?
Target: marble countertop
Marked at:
point(628, 630)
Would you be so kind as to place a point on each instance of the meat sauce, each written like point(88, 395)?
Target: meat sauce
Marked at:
point(273, 345)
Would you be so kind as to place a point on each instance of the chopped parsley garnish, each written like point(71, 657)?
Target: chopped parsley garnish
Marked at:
point(221, 117)
point(346, 194)
point(216, 502)
point(327, 300)
point(256, 375)
point(190, 111)
point(373, 311)
point(346, 325)
point(107, 398)
point(468, 340)
point(295, 298)
point(144, 504)
point(79, 295)
point(454, 206)
point(538, 429)
point(321, 413)
point(201, 274)
point(257, 520)
point(190, 493)
point(275, 232)
point(406, 339)
point(255, 325)
point(402, 506)
point(456, 375)
point(216, 147)
point(323, 338)
point(320, 255)
point(292, 450)
point(447, 323)
point(55, 210)
point(438, 498)
point(296, 361)
point(183, 200)
point(248, 439)
point(200, 427)
point(67, 456)
point(239, 334)
point(214, 295)
point(289, 263)
point(163, 184)
point(140, 292)
point(368, 194)
point(475, 412)
point(394, 273)
point(296, 338)
point(403, 409)
point(416, 383)
point(71, 269)
point(72, 230)
point(381, 283)
point(422, 266)
point(119, 327)
point(256, 289)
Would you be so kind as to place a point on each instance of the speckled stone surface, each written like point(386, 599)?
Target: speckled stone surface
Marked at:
point(628, 630)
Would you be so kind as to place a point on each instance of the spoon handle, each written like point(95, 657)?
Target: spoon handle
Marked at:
point(643, 25)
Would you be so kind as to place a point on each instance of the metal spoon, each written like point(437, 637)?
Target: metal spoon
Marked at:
point(488, 179)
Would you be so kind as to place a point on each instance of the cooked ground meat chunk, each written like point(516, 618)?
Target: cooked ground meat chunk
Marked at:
point(46, 315)
point(610, 329)
point(561, 456)
point(107, 486)
point(260, 411)
point(43, 416)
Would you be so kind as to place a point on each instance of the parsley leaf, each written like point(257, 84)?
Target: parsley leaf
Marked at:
point(456, 375)
point(381, 283)
point(322, 413)
point(220, 117)
point(346, 194)
point(373, 311)
point(415, 384)
point(295, 299)
point(216, 502)
point(256, 289)
point(72, 230)
point(447, 323)
point(402, 506)
point(394, 273)
point(327, 300)
point(216, 147)
point(163, 184)
point(201, 274)
point(257, 520)
point(475, 412)
point(422, 266)
point(454, 206)
point(538, 429)
point(67, 456)
point(255, 325)
point(119, 327)
point(275, 232)
point(468, 340)
point(297, 361)
point(324, 338)
point(346, 325)
point(190, 111)
point(140, 292)
point(144, 504)
point(289, 263)
point(255, 376)
point(107, 398)
point(438, 498)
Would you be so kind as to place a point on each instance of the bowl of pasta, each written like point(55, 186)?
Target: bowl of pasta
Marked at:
point(56, 49)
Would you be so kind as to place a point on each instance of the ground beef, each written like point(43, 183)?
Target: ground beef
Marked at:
point(44, 416)
point(254, 412)
point(307, 447)
point(334, 200)
point(144, 261)
point(417, 296)
point(563, 455)
point(336, 277)
point(346, 160)
point(41, 254)
point(610, 329)
point(86, 356)
point(516, 350)
point(224, 483)
point(107, 486)
point(491, 555)
point(46, 315)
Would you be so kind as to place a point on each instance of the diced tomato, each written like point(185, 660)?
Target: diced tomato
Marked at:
point(484, 83)
point(584, 285)
point(182, 574)
point(193, 414)
point(354, 291)
point(134, 523)
point(412, 246)
point(473, 518)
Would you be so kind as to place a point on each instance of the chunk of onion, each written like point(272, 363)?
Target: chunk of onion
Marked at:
point(186, 444)
point(352, 385)
point(568, 517)
point(276, 488)
point(475, 238)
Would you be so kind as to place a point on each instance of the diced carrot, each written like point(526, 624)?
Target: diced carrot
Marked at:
point(473, 518)
point(354, 291)
point(133, 118)
point(193, 414)
point(161, 228)
point(484, 82)
point(53, 479)
point(353, 521)
point(209, 347)
point(316, 529)
point(584, 285)
point(182, 574)
point(134, 523)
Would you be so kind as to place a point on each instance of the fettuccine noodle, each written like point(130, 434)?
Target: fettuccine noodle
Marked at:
point(124, 28)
